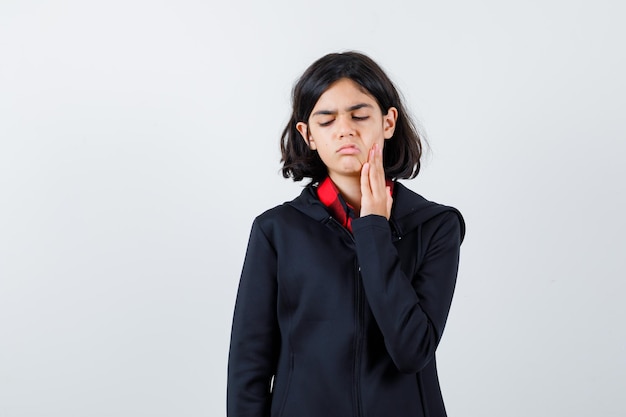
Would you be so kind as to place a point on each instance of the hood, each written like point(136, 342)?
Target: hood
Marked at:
point(409, 211)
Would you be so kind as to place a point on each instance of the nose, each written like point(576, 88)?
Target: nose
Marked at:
point(345, 127)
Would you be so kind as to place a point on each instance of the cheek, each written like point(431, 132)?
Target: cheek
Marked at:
point(377, 136)
point(323, 149)
point(321, 138)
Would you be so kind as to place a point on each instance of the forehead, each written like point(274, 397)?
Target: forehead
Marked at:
point(344, 93)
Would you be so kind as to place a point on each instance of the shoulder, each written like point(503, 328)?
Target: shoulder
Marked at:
point(304, 208)
point(272, 217)
point(411, 210)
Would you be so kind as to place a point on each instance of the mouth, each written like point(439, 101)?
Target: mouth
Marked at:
point(349, 150)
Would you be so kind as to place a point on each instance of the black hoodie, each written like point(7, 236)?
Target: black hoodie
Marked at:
point(329, 323)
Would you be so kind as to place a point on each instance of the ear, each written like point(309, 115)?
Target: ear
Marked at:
point(303, 128)
point(389, 122)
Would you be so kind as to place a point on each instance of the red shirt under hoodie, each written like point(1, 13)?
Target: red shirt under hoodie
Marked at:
point(342, 211)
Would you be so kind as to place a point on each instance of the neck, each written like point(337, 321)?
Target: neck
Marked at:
point(350, 190)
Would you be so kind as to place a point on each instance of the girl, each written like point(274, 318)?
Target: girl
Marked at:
point(345, 290)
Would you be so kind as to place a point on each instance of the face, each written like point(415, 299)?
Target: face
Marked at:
point(344, 125)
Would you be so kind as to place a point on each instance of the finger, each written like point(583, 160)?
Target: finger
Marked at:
point(377, 173)
point(371, 155)
point(379, 159)
point(365, 181)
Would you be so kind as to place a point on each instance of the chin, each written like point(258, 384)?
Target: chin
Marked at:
point(352, 172)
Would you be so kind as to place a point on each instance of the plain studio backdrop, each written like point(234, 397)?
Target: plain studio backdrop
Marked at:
point(138, 141)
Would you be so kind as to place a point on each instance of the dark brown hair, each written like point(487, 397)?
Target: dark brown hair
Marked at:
point(401, 156)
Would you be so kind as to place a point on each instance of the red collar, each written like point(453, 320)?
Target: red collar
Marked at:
point(329, 195)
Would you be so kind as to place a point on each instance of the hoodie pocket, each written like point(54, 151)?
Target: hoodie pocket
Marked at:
point(285, 395)
point(422, 395)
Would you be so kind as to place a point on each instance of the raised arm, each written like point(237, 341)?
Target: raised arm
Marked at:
point(411, 312)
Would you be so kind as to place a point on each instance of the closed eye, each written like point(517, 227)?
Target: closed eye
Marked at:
point(327, 123)
point(360, 117)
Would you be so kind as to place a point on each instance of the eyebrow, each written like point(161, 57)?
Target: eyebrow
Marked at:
point(351, 108)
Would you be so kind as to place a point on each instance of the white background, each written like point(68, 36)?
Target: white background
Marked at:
point(138, 140)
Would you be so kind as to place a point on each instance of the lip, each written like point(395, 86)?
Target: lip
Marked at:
point(348, 150)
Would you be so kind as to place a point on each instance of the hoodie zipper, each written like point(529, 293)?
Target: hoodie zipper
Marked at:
point(359, 324)
point(359, 339)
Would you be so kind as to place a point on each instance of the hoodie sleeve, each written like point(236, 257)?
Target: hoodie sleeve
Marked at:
point(255, 337)
point(410, 311)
